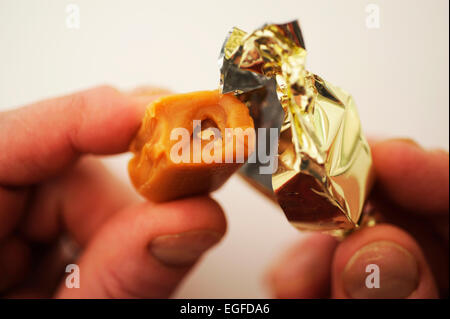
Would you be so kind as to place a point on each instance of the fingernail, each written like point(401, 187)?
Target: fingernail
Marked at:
point(183, 249)
point(381, 269)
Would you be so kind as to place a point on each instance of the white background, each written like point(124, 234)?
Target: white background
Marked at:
point(398, 75)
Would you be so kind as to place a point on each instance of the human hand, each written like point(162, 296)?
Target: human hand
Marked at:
point(53, 192)
point(409, 246)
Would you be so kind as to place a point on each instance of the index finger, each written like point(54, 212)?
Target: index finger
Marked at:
point(411, 176)
point(40, 140)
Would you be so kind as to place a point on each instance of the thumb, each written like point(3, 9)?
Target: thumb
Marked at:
point(146, 250)
point(381, 262)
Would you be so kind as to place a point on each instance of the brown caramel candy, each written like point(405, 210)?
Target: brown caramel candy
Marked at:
point(160, 173)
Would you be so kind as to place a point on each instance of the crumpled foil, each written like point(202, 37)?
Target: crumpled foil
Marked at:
point(324, 165)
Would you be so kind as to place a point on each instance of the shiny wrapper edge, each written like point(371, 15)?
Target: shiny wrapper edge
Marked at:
point(324, 170)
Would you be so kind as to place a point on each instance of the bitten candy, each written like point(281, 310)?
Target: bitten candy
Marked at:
point(190, 144)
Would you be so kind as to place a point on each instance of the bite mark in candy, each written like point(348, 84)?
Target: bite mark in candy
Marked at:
point(159, 173)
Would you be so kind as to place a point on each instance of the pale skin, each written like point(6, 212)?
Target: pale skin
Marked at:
point(410, 198)
point(52, 186)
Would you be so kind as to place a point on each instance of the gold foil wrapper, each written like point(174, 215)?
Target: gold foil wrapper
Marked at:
point(324, 170)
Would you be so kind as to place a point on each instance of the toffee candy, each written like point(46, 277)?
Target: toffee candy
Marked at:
point(190, 144)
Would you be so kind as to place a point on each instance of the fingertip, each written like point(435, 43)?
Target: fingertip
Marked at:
point(184, 230)
point(193, 212)
point(107, 120)
point(411, 176)
point(150, 249)
point(381, 262)
point(113, 117)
